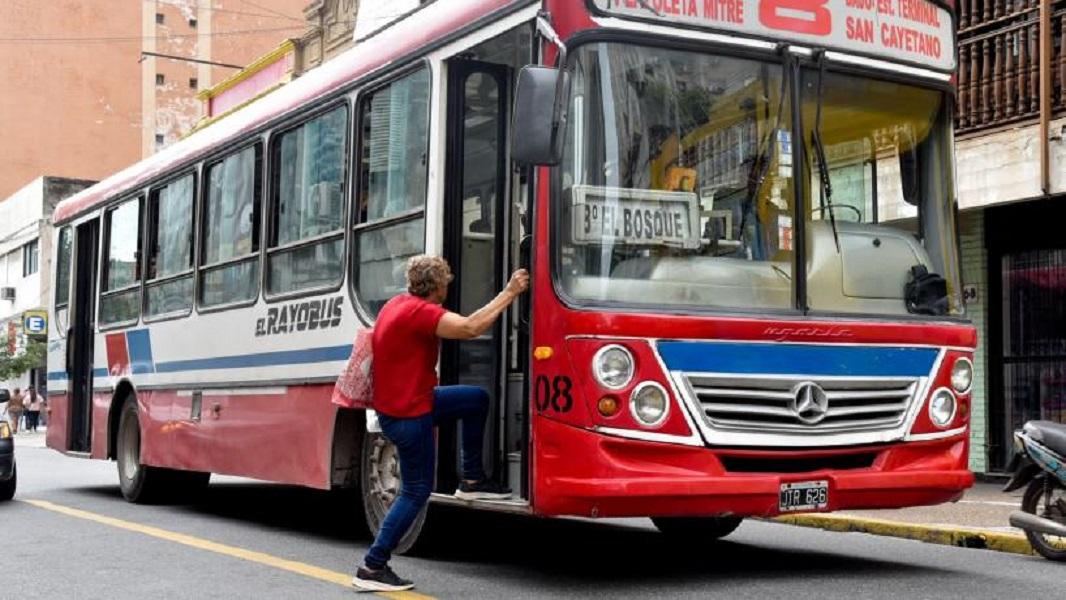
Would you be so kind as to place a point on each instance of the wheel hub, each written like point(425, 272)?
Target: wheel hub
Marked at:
point(384, 472)
point(130, 449)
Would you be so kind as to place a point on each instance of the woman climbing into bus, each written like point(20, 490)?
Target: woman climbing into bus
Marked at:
point(409, 403)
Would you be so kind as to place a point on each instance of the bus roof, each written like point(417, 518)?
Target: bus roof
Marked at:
point(410, 36)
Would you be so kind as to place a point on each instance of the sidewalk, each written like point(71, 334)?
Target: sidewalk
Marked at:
point(979, 520)
point(25, 439)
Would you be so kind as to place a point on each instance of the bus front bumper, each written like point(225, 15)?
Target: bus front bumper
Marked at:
point(585, 473)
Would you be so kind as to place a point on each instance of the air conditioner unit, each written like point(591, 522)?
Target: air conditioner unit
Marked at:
point(7, 293)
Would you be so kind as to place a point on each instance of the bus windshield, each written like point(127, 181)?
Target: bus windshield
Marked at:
point(678, 187)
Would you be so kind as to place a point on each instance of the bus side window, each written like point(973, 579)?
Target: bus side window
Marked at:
point(63, 257)
point(121, 293)
point(229, 269)
point(390, 221)
point(168, 271)
point(306, 245)
point(64, 254)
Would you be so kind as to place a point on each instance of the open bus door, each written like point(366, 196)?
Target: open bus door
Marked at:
point(80, 337)
point(478, 236)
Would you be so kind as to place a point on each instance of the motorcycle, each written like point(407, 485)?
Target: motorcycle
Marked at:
point(1039, 463)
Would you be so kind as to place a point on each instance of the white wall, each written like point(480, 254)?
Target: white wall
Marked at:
point(21, 218)
point(1005, 166)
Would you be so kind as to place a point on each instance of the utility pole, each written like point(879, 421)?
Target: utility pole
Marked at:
point(1045, 96)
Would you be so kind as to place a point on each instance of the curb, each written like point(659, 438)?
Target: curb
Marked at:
point(947, 535)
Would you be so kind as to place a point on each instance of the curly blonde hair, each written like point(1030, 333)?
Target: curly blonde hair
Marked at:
point(426, 273)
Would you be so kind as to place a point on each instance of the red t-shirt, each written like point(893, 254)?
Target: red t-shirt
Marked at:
point(406, 349)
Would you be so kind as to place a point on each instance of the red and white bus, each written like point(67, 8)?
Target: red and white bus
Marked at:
point(739, 218)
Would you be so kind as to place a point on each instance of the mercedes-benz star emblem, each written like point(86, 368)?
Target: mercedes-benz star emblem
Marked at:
point(809, 402)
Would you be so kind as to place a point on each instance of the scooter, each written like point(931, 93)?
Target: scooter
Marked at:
point(1039, 463)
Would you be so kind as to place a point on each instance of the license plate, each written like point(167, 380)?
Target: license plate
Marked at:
point(804, 495)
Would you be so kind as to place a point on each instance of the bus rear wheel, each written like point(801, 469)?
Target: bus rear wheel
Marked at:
point(380, 479)
point(696, 528)
point(140, 483)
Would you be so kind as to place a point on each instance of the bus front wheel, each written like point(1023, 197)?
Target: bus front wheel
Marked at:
point(140, 483)
point(696, 528)
point(380, 479)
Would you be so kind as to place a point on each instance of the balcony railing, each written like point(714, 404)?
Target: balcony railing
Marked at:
point(999, 62)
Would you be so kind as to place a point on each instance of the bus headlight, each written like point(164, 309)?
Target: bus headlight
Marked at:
point(942, 407)
point(613, 367)
point(962, 375)
point(5, 430)
point(649, 404)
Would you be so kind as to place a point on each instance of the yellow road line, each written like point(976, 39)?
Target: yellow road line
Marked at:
point(291, 566)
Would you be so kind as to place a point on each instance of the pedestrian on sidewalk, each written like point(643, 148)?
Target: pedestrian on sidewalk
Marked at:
point(33, 409)
point(409, 403)
point(15, 408)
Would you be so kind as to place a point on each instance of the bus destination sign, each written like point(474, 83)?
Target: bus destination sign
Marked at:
point(635, 217)
point(913, 31)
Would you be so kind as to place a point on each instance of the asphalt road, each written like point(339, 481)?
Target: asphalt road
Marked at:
point(246, 539)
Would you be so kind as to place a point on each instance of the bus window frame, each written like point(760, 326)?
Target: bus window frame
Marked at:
point(352, 226)
point(256, 142)
point(802, 61)
point(105, 260)
point(269, 221)
point(155, 189)
point(58, 304)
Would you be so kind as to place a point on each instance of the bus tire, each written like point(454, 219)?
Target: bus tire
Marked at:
point(380, 486)
point(139, 483)
point(696, 528)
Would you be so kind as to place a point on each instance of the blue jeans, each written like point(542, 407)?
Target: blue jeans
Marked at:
point(416, 447)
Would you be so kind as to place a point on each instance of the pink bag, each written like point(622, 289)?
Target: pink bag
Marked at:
point(355, 387)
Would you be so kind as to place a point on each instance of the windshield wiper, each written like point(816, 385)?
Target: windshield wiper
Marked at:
point(825, 193)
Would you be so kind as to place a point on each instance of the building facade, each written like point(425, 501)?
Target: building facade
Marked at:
point(1011, 169)
point(81, 97)
point(67, 107)
point(211, 40)
point(25, 262)
point(330, 29)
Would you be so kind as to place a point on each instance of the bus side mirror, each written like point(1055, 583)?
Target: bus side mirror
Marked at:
point(539, 117)
point(908, 176)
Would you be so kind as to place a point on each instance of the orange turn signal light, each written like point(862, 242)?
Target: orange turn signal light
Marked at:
point(608, 406)
point(543, 352)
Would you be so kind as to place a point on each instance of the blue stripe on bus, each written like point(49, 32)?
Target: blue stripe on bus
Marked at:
point(263, 359)
point(139, 346)
point(62, 375)
point(797, 359)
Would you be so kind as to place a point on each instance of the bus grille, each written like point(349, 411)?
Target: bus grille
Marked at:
point(767, 404)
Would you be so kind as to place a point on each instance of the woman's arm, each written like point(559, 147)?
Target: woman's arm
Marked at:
point(453, 326)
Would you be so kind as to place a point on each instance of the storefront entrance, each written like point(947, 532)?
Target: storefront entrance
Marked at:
point(1027, 329)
